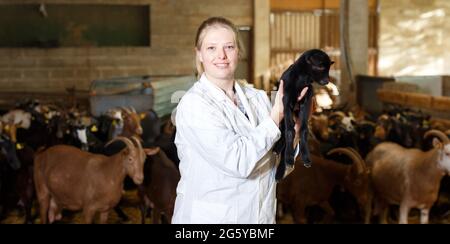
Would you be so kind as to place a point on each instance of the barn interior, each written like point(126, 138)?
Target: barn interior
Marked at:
point(99, 65)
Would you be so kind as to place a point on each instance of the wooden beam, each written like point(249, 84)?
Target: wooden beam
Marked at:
point(308, 5)
point(414, 100)
point(261, 42)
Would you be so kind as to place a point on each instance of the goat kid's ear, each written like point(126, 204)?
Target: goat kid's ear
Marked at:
point(151, 151)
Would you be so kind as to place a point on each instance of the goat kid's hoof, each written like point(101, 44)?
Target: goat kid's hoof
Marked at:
point(289, 162)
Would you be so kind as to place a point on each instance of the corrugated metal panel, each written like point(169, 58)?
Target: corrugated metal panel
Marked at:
point(168, 91)
point(143, 93)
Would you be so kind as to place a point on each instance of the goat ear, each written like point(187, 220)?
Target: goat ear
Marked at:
point(151, 151)
point(437, 143)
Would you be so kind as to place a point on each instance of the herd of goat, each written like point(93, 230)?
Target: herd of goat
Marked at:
point(67, 159)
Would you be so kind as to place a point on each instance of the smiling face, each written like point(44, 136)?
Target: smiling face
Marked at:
point(218, 53)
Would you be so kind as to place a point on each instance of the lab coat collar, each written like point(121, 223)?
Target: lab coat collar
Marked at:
point(213, 90)
point(243, 94)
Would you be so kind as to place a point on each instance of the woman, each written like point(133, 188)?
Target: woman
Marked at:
point(225, 134)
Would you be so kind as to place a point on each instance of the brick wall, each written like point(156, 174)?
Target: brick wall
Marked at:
point(173, 27)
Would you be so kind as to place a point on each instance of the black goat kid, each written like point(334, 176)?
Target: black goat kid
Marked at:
point(313, 65)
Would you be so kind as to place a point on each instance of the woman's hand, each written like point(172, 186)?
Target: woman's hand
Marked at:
point(277, 113)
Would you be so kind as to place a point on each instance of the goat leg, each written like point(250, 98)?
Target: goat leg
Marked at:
point(289, 132)
point(120, 213)
point(298, 214)
point(367, 213)
point(281, 168)
point(144, 202)
point(424, 214)
point(104, 217)
point(44, 204)
point(27, 198)
point(404, 212)
point(303, 115)
point(329, 212)
point(279, 145)
point(88, 215)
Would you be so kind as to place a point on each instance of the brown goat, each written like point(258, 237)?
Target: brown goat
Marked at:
point(132, 120)
point(159, 188)
point(66, 177)
point(408, 177)
point(310, 186)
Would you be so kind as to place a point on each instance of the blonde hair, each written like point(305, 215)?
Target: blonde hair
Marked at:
point(201, 32)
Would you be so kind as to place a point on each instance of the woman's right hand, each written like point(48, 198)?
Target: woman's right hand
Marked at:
point(277, 112)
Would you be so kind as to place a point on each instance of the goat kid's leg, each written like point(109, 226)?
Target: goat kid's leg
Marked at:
point(279, 145)
point(281, 169)
point(404, 212)
point(303, 115)
point(288, 129)
point(289, 137)
point(424, 214)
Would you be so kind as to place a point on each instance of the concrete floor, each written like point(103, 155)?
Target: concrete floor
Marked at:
point(130, 201)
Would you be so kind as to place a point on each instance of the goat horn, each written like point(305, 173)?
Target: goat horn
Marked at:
point(369, 123)
point(439, 134)
point(127, 141)
point(138, 143)
point(357, 161)
point(132, 109)
point(363, 164)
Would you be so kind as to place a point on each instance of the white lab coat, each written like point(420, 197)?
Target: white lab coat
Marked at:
point(226, 162)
